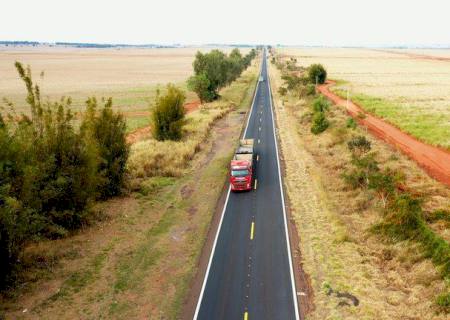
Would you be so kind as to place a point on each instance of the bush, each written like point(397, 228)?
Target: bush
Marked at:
point(364, 167)
point(359, 146)
point(282, 91)
point(108, 129)
point(310, 89)
point(351, 123)
point(316, 72)
point(320, 104)
point(168, 114)
point(319, 123)
point(383, 183)
point(201, 86)
point(50, 172)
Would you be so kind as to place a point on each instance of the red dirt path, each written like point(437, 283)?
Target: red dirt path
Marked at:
point(434, 160)
point(138, 134)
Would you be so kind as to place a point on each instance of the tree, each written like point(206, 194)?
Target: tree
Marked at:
point(319, 123)
point(201, 86)
point(108, 130)
point(317, 73)
point(168, 114)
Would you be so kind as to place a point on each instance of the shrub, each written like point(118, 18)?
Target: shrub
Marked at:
point(310, 89)
point(359, 146)
point(316, 72)
point(319, 123)
point(443, 301)
point(201, 86)
point(365, 167)
point(282, 91)
point(108, 130)
point(168, 114)
point(320, 104)
point(351, 123)
point(383, 183)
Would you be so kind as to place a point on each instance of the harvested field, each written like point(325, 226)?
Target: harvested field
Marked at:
point(130, 76)
point(407, 90)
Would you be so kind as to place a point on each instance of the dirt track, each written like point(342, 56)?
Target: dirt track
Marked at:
point(138, 134)
point(434, 160)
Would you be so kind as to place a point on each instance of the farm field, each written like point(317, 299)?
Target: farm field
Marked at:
point(410, 92)
point(130, 76)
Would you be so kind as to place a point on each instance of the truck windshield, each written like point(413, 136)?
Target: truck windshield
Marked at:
point(239, 173)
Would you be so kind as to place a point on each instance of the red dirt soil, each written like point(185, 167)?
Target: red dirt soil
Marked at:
point(416, 55)
point(138, 134)
point(435, 161)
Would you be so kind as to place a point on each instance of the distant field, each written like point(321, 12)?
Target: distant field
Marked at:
point(410, 92)
point(130, 76)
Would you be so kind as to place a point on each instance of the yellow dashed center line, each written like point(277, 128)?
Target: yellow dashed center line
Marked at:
point(252, 231)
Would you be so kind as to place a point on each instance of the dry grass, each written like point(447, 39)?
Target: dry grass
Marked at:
point(415, 93)
point(392, 281)
point(169, 158)
point(138, 263)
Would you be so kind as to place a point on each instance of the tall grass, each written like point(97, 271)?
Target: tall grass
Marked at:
point(150, 157)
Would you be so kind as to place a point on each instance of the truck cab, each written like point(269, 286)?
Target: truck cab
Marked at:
point(241, 166)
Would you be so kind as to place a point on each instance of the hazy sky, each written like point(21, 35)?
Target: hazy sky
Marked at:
point(324, 22)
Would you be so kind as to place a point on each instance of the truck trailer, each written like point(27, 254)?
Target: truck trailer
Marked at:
point(242, 166)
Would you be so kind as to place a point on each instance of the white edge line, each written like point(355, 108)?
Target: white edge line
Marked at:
point(294, 294)
point(200, 298)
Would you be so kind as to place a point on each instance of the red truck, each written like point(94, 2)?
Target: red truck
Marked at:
point(242, 166)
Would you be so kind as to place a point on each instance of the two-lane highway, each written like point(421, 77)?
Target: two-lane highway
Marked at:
point(249, 275)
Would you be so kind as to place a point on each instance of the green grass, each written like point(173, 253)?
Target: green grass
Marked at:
point(134, 123)
point(426, 125)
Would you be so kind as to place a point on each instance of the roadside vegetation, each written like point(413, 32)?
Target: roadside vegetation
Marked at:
point(379, 195)
point(412, 93)
point(215, 70)
point(51, 172)
point(130, 238)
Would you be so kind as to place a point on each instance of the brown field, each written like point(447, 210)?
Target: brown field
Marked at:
point(411, 92)
point(130, 76)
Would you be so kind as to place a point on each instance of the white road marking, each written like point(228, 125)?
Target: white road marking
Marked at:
point(200, 298)
point(294, 296)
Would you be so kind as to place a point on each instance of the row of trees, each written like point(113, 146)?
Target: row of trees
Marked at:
point(51, 171)
point(214, 70)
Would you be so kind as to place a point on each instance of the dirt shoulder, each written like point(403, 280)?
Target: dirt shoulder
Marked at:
point(433, 160)
point(354, 275)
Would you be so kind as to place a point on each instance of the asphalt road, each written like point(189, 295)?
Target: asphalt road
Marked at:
point(250, 272)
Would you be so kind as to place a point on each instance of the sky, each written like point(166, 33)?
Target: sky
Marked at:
point(289, 22)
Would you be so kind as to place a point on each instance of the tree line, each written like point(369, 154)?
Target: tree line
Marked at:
point(51, 171)
point(215, 70)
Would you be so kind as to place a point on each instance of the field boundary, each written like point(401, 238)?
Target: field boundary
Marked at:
point(434, 160)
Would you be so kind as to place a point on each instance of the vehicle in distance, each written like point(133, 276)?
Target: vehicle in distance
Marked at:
point(242, 166)
point(261, 78)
